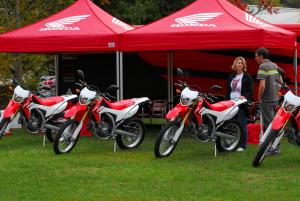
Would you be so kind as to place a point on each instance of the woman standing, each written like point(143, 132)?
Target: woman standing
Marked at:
point(239, 85)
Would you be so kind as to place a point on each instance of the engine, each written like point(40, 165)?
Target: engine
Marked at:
point(35, 121)
point(292, 134)
point(104, 128)
point(204, 131)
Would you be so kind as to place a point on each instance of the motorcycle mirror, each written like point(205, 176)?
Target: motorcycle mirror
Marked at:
point(179, 72)
point(215, 87)
point(178, 91)
point(80, 75)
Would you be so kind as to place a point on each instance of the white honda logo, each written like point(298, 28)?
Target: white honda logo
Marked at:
point(61, 25)
point(256, 21)
point(196, 20)
point(122, 24)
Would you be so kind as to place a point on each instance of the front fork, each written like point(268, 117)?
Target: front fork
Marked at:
point(179, 131)
point(277, 139)
point(12, 119)
point(77, 130)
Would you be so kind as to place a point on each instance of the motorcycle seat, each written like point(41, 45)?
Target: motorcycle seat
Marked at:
point(221, 106)
point(49, 101)
point(120, 105)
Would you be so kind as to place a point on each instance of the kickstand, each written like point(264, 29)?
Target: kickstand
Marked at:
point(215, 148)
point(115, 146)
point(44, 140)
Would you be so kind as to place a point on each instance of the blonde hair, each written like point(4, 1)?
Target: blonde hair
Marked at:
point(233, 67)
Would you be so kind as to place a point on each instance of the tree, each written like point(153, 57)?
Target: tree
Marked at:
point(262, 5)
point(142, 12)
point(15, 14)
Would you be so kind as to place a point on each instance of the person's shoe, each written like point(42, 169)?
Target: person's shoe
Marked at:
point(240, 149)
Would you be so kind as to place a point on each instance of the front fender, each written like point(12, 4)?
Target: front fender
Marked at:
point(176, 111)
point(11, 109)
point(280, 119)
point(74, 110)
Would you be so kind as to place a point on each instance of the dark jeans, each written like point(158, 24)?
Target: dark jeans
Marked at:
point(242, 119)
point(268, 111)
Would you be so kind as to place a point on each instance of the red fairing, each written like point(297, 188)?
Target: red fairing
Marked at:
point(25, 107)
point(95, 110)
point(120, 105)
point(74, 110)
point(197, 112)
point(280, 119)
point(177, 110)
point(297, 118)
point(11, 109)
point(220, 106)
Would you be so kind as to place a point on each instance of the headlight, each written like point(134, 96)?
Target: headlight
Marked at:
point(288, 107)
point(84, 100)
point(18, 99)
point(185, 101)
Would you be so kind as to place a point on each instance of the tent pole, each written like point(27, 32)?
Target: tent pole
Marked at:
point(56, 64)
point(170, 76)
point(296, 70)
point(118, 73)
point(121, 76)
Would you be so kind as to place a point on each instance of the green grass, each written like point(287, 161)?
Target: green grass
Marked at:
point(92, 171)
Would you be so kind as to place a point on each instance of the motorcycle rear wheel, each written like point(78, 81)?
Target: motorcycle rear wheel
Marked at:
point(135, 126)
point(64, 137)
point(227, 145)
point(264, 147)
point(164, 145)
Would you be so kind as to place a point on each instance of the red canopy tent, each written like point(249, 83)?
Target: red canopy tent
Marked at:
point(207, 24)
point(81, 27)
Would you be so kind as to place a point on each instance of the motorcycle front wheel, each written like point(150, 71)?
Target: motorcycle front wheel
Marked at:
point(232, 128)
point(264, 147)
point(3, 125)
point(64, 142)
point(165, 144)
point(134, 126)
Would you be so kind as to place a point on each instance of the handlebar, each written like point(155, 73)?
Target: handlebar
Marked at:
point(282, 85)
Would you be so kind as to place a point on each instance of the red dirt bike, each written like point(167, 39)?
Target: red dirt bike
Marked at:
point(35, 114)
point(104, 118)
point(210, 121)
point(285, 123)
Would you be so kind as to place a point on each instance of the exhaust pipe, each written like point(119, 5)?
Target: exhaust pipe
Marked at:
point(121, 132)
point(224, 135)
point(51, 127)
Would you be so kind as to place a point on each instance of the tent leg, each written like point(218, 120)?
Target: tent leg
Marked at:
point(56, 73)
point(118, 73)
point(296, 70)
point(121, 77)
point(170, 76)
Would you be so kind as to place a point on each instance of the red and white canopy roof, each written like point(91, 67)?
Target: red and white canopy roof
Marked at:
point(207, 24)
point(81, 27)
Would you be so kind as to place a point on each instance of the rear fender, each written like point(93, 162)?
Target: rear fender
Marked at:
point(176, 111)
point(280, 119)
point(11, 109)
point(75, 110)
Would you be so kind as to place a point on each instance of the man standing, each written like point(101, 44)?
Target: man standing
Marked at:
point(267, 90)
